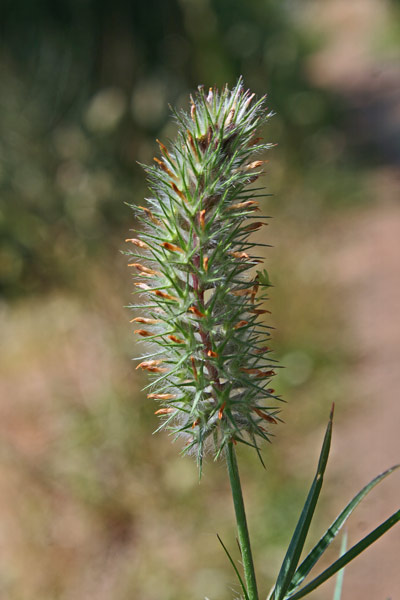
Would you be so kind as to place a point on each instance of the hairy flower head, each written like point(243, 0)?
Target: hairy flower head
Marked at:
point(195, 264)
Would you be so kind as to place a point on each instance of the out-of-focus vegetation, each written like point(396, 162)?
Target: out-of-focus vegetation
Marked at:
point(85, 90)
point(93, 505)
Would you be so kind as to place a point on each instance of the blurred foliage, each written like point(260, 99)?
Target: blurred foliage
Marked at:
point(85, 90)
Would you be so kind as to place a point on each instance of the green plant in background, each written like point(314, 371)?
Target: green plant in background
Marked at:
point(94, 84)
point(209, 357)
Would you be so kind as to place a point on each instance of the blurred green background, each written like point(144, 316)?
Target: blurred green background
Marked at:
point(91, 504)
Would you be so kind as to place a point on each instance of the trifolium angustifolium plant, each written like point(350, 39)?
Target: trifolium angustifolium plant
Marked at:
point(204, 320)
point(199, 271)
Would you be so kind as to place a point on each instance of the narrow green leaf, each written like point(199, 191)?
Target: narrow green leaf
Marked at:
point(235, 568)
point(296, 545)
point(330, 534)
point(339, 579)
point(349, 556)
point(263, 278)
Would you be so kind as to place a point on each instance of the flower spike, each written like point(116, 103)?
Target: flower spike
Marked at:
point(202, 301)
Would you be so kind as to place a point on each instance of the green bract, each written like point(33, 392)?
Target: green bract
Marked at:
point(195, 262)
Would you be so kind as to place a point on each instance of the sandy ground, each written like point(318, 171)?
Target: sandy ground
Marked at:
point(366, 265)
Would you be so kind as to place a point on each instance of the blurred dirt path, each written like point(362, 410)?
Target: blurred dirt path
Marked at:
point(366, 266)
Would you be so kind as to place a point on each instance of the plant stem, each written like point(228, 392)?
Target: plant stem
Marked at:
point(243, 533)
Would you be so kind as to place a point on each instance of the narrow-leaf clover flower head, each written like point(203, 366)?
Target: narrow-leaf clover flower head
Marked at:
point(196, 267)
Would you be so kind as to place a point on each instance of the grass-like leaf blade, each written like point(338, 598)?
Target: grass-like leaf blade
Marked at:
point(330, 534)
point(296, 545)
point(235, 568)
point(339, 579)
point(347, 557)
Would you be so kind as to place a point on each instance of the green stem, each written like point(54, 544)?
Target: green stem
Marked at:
point(243, 532)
